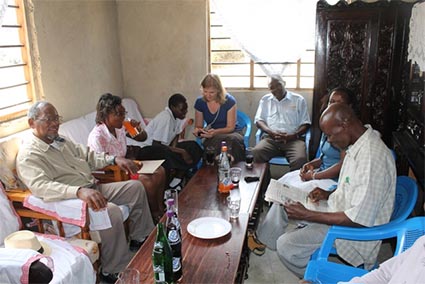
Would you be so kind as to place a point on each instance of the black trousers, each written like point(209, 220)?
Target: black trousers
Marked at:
point(172, 160)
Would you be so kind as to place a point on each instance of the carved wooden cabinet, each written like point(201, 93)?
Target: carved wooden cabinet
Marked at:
point(363, 46)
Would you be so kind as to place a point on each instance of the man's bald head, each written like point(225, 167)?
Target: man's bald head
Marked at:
point(341, 126)
point(338, 113)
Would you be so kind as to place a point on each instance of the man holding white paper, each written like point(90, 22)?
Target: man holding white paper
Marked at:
point(364, 196)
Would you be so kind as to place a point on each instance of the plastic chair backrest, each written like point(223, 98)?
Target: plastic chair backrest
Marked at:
point(406, 194)
point(245, 122)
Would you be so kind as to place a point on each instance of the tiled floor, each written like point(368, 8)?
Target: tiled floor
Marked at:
point(268, 269)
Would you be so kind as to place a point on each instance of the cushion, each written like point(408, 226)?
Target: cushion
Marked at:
point(8, 150)
point(78, 129)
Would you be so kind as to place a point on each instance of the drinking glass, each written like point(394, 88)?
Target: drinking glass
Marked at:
point(235, 175)
point(249, 158)
point(130, 128)
point(234, 204)
point(209, 155)
point(129, 276)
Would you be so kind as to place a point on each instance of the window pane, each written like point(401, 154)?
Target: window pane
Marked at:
point(12, 76)
point(291, 82)
point(10, 56)
point(261, 82)
point(229, 70)
point(258, 71)
point(235, 82)
point(307, 69)
point(218, 32)
point(290, 70)
point(12, 96)
point(9, 36)
point(10, 17)
point(226, 44)
point(306, 82)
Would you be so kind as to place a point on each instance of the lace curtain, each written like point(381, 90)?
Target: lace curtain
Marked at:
point(270, 30)
point(3, 7)
point(416, 48)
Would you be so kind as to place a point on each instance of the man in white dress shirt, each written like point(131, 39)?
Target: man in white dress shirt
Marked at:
point(283, 117)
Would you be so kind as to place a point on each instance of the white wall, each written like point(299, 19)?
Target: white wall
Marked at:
point(79, 53)
point(163, 50)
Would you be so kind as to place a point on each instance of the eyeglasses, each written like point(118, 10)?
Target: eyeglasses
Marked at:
point(51, 119)
point(121, 113)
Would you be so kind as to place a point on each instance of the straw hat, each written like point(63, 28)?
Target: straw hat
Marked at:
point(26, 240)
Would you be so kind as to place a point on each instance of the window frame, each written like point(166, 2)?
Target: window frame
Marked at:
point(13, 116)
point(252, 76)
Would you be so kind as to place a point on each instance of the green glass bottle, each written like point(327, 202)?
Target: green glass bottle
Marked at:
point(162, 257)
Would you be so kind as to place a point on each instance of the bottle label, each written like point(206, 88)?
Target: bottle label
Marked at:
point(176, 264)
point(159, 273)
point(173, 237)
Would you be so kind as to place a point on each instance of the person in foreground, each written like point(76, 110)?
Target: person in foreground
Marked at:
point(321, 172)
point(54, 168)
point(108, 136)
point(218, 109)
point(407, 267)
point(283, 117)
point(364, 196)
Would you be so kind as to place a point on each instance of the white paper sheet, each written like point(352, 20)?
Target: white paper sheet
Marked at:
point(282, 193)
point(149, 167)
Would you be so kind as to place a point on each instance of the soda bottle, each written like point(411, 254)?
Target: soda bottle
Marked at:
point(223, 143)
point(162, 258)
point(171, 205)
point(224, 182)
point(175, 240)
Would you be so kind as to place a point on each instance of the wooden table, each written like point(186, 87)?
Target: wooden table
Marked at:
point(207, 261)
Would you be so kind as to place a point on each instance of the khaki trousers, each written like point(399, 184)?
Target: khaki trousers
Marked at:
point(115, 253)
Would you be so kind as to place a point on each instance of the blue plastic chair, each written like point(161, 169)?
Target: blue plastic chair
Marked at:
point(244, 121)
point(321, 270)
point(280, 160)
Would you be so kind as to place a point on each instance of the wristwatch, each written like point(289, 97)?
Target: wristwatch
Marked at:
point(110, 159)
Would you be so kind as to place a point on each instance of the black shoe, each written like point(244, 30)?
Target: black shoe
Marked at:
point(109, 278)
point(135, 245)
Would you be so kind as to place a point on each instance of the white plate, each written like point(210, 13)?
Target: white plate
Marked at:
point(209, 227)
